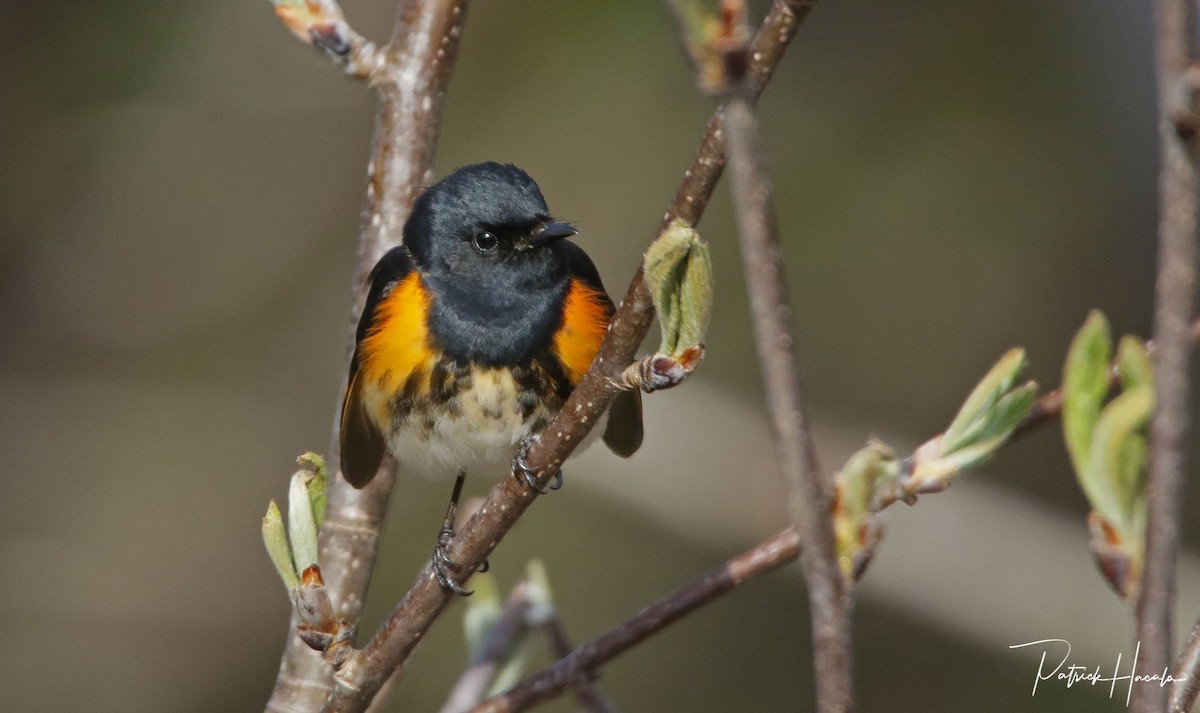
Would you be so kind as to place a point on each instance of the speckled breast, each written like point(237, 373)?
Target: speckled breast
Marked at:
point(473, 418)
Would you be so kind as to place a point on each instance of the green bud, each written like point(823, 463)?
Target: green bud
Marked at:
point(678, 272)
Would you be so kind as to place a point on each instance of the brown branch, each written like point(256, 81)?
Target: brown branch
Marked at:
point(521, 614)
point(410, 77)
point(581, 664)
point(585, 692)
point(1187, 674)
point(416, 612)
point(810, 493)
point(1178, 186)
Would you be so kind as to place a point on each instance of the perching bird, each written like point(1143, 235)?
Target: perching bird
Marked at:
point(474, 333)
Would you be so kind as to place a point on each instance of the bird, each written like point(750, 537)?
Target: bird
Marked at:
point(474, 332)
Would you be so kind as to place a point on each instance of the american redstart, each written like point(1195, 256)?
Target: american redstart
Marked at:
point(474, 332)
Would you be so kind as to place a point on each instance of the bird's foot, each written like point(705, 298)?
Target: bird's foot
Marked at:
point(444, 567)
point(523, 471)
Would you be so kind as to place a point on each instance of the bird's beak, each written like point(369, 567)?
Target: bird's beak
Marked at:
point(549, 232)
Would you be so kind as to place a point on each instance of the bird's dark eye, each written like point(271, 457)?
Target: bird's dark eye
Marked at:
point(484, 241)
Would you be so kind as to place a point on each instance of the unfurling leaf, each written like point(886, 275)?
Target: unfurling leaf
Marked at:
point(1085, 385)
point(976, 413)
point(1108, 446)
point(276, 541)
point(1133, 363)
point(983, 424)
point(1118, 456)
point(994, 427)
point(302, 525)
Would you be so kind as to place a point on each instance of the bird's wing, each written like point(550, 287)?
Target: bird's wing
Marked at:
point(361, 444)
point(623, 432)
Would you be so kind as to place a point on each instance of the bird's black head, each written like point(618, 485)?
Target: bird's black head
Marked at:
point(487, 245)
point(485, 222)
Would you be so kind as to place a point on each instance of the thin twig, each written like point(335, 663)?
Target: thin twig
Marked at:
point(580, 665)
point(633, 317)
point(810, 493)
point(410, 80)
point(1178, 187)
point(416, 612)
point(1187, 674)
point(585, 692)
point(320, 24)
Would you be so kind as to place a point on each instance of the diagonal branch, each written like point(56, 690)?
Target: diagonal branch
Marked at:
point(410, 76)
point(580, 665)
point(587, 695)
point(365, 672)
point(1179, 193)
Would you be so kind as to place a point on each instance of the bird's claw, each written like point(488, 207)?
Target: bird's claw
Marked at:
point(523, 471)
point(443, 566)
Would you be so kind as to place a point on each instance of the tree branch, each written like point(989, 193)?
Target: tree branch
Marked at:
point(410, 76)
point(389, 648)
point(321, 25)
point(580, 665)
point(587, 695)
point(1187, 674)
point(811, 497)
point(1174, 294)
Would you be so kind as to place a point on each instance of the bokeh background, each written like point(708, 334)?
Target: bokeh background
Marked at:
point(180, 185)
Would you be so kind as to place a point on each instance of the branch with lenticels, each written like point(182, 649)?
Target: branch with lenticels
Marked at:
point(409, 75)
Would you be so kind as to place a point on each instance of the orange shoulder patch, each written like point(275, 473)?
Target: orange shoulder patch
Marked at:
point(398, 343)
point(585, 319)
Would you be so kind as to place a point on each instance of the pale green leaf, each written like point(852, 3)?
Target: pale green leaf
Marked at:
point(996, 426)
point(1133, 363)
point(1085, 385)
point(1115, 480)
point(276, 542)
point(972, 417)
point(302, 526)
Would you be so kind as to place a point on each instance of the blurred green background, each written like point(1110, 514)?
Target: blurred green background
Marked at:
point(179, 197)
